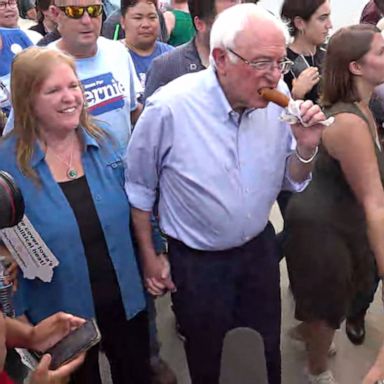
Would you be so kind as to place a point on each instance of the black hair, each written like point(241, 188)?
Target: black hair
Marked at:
point(125, 4)
point(298, 8)
point(203, 9)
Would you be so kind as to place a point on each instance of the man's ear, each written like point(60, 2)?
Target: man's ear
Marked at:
point(200, 25)
point(122, 23)
point(54, 11)
point(221, 58)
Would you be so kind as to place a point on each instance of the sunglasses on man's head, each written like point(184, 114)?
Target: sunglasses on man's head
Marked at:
point(77, 12)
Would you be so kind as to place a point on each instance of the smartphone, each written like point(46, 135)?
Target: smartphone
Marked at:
point(78, 341)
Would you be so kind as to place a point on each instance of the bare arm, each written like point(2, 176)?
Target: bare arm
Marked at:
point(45, 334)
point(307, 139)
point(155, 267)
point(170, 21)
point(350, 142)
point(143, 234)
point(136, 113)
point(20, 333)
point(299, 171)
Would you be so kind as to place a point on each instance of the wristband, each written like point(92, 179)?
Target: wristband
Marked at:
point(306, 161)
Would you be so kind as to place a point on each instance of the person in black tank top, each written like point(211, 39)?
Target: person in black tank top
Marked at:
point(309, 24)
point(335, 228)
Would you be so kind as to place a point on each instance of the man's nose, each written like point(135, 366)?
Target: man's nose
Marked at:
point(85, 19)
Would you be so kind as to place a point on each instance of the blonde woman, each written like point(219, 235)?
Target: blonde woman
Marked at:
point(71, 175)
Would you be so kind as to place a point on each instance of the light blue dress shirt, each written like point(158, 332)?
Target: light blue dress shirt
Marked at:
point(53, 218)
point(219, 173)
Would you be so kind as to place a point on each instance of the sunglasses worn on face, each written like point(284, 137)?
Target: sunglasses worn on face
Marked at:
point(77, 12)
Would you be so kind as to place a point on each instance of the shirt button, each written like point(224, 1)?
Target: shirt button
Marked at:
point(246, 238)
point(113, 248)
point(98, 197)
point(114, 165)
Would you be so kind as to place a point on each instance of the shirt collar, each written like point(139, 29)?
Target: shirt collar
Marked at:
point(39, 155)
point(225, 109)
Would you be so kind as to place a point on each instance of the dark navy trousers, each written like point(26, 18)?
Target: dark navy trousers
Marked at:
point(221, 290)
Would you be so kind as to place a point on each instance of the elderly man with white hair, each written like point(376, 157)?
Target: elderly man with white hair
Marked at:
point(219, 155)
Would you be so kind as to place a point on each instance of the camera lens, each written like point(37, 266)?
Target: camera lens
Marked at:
point(11, 201)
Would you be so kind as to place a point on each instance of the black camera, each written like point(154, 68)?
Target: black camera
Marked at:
point(11, 201)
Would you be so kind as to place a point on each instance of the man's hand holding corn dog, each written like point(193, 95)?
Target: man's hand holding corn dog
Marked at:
point(307, 130)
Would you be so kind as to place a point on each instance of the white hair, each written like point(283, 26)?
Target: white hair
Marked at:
point(234, 20)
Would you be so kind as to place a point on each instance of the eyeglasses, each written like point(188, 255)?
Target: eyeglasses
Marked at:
point(284, 65)
point(77, 12)
point(10, 3)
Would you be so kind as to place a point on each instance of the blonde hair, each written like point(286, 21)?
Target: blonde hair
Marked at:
point(30, 69)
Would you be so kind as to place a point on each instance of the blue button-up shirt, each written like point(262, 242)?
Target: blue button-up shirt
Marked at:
point(52, 217)
point(219, 172)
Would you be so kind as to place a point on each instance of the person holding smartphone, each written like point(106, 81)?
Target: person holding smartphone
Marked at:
point(14, 333)
point(309, 22)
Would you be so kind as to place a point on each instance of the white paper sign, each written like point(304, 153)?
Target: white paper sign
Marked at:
point(29, 251)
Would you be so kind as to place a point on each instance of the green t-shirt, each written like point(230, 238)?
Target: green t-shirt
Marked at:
point(183, 30)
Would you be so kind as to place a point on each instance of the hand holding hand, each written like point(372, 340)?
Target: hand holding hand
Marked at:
point(157, 275)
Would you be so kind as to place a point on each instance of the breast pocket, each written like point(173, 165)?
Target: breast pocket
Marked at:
point(116, 170)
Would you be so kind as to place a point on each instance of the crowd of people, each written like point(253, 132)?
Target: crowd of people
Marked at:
point(149, 161)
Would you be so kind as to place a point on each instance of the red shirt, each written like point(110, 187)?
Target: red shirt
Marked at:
point(371, 14)
point(4, 378)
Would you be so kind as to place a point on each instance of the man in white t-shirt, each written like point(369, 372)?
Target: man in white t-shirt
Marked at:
point(104, 67)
